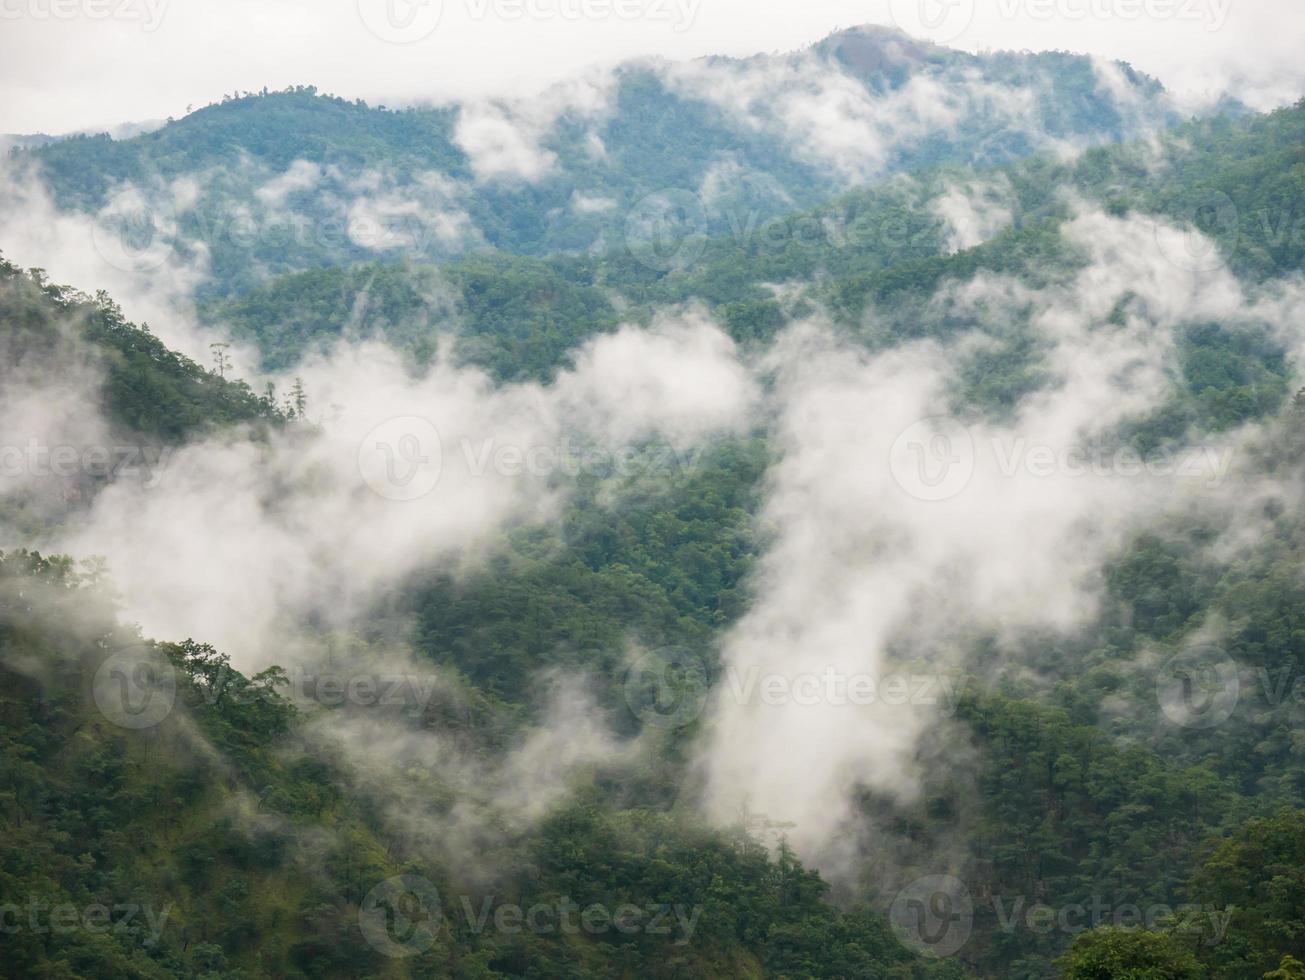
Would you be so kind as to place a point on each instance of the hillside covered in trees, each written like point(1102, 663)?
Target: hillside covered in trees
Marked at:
point(567, 601)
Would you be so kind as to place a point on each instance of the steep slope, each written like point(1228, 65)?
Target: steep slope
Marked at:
point(144, 388)
point(87, 398)
point(192, 821)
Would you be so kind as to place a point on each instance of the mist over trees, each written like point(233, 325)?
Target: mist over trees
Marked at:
point(658, 538)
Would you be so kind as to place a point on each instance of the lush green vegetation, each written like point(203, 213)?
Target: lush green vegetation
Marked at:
point(237, 854)
point(145, 388)
point(516, 317)
point(249, 845)
point(877, 252)
point(654, 134)
point(1072, 803)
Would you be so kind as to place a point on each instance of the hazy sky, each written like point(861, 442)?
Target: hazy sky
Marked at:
point(70, 64)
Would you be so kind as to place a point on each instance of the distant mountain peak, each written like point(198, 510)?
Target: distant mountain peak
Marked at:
point(876, 49)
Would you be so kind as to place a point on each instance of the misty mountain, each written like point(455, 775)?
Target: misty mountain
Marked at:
point(269, 183)
point(246, 839)
point(832, 514)
point(882, 251)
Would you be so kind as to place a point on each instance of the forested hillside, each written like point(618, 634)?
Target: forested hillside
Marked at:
point(888, 568)
point(224, 840)
point(275, 182)
point(145, 388)
point(883, 251)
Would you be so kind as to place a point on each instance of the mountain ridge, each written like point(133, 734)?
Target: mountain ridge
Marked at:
point(278, 182)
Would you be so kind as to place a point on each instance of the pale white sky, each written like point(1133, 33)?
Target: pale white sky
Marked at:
point(72, 64)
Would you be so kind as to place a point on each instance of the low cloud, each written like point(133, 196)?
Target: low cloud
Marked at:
point(903, 528)
point(974, 211)
point(243, 538)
